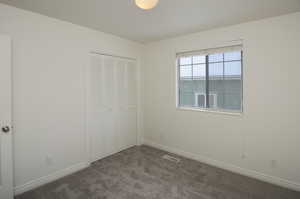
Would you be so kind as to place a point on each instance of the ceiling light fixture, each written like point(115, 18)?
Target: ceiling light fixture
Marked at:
point(146, 4)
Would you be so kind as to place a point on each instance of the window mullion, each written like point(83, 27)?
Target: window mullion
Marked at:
point(178, 81)
point(207, 82)
point(192, 68)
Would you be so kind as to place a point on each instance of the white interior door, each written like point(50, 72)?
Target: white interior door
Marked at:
point(6, 167)
point(111, 120)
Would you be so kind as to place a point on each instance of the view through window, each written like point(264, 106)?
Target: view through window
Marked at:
point(211, 79)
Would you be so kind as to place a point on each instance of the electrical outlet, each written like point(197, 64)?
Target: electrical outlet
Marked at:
point(49, 160)
point(273, 164)
point(243, 156)
point(162, 137)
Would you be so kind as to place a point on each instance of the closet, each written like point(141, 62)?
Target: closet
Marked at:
point(111, 105)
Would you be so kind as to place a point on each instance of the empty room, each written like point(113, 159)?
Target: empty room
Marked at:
point(149, 99)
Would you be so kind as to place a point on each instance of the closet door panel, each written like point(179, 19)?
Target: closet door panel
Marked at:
point(121, 103)
point(131, 122)
point(108, 82)
point(131, 73)
point(108, 118)
point(101, 122)
point(127, 125)
point(96, 108)
point(121, 82)
point(126, 80)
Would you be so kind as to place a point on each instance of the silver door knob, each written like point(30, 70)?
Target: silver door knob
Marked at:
point(5, 129)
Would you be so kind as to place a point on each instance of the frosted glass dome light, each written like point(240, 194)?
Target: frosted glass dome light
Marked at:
point(146, 4)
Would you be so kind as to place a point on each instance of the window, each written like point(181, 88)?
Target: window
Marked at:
point(211, 79)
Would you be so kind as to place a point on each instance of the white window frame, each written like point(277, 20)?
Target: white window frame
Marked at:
point(214, 109)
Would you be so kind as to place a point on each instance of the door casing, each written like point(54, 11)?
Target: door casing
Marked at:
point(6, 172)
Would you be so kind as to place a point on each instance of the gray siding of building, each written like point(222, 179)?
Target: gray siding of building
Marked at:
point(228, 92)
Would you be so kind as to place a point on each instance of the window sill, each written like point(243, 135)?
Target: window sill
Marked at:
point(210, 111)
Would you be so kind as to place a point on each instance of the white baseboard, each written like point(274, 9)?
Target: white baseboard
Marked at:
point(246, 172)
point(96, 158)
point(49, 178)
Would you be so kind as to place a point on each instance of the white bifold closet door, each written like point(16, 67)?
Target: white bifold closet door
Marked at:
point(111, 105)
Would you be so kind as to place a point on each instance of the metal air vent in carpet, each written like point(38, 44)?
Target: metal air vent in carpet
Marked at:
point(171, 158)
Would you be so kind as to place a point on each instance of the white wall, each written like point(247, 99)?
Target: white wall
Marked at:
point(49, 60)
point(268, 129)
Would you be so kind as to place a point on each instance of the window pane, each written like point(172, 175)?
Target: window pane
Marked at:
point(185, 60)
point(225, 91)
point(186, 71)
point(186, 99)
point(186, 86)
point(215, 57)
point(232, 56)
point(189, 91)
point(199, 59)
point(199, 90)
point(233, 69)
point(232, 100)
point(199, 71)
point(227, 94)
point(215, 70)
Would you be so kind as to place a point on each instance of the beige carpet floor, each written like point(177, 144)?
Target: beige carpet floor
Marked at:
point(142, 173)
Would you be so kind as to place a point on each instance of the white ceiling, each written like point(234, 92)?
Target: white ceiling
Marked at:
point(170, 18)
